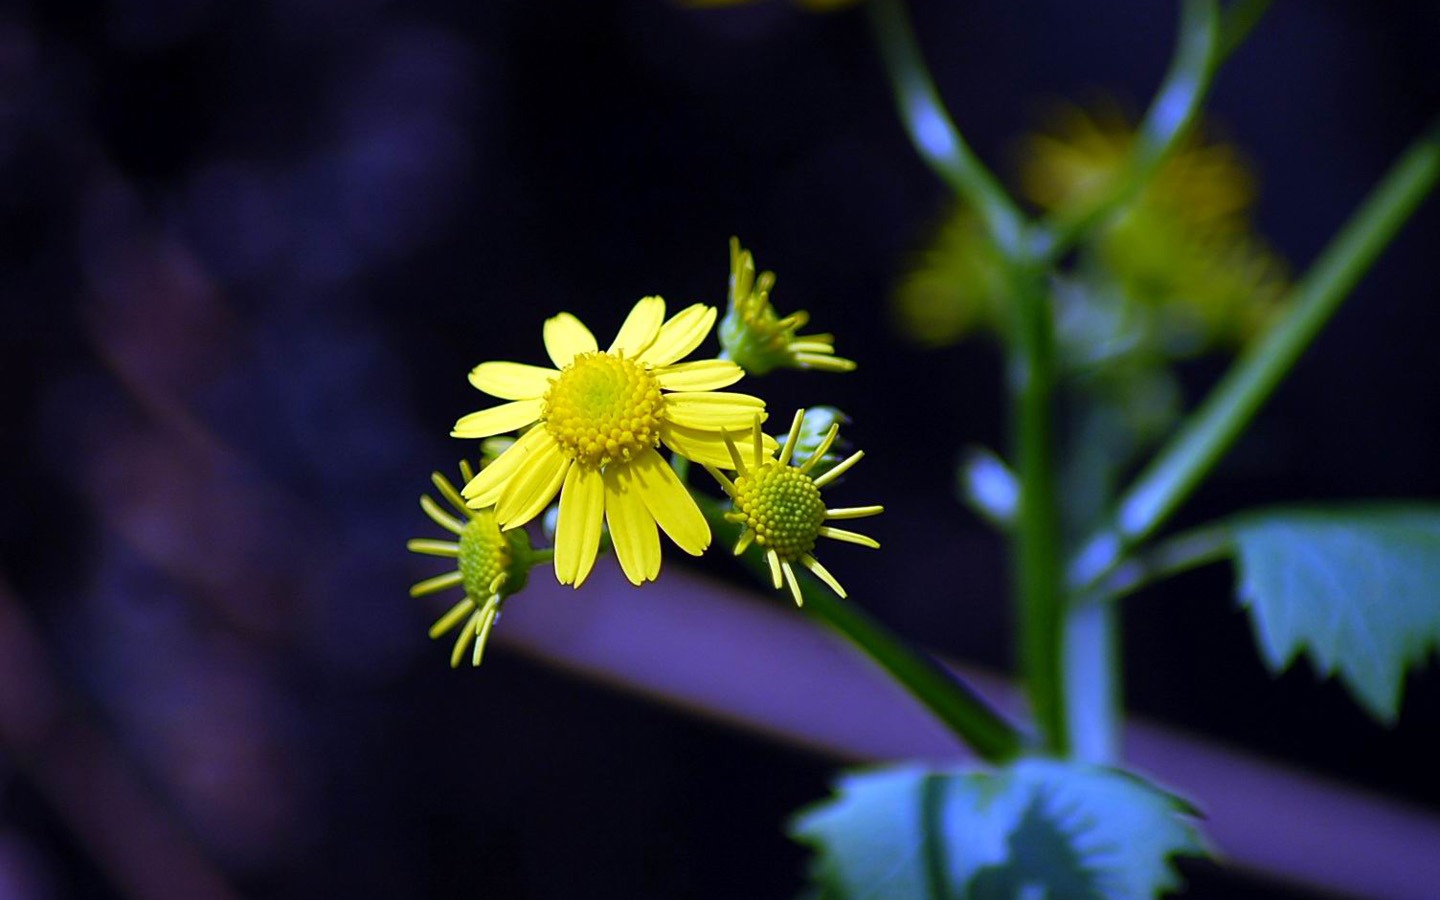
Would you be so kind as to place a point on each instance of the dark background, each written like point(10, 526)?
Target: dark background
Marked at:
point(249, 250)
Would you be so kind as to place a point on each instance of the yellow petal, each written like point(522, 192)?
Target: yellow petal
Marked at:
point(789, 449)
point(432, 547)
point(670, 503)
point(447, 490)
point(632, 527)
point(713, 410)
point(794, 585)
point(853, 512)
point(447, 621)
point(820, 451)
point(512, 381)
point(700, 375)
point(533, 486)
point(702, 445)
point(851, 537)
point(681, 335)
point(823, 574)
point(640, 328)
point(577, 532)
point(719, 476)
point(484, 489)
point(566, 336)
point(438, 583)
point(498, 419)
point(839, 468)
point(463, 639)
point(439, 516)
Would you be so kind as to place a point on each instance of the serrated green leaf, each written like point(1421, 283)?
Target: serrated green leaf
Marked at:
point(1042, 828)
point(1357, 588)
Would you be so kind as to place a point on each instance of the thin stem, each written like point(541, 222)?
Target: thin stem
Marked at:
point(1194, 451)
point(1240, 20)
point(1092, 682)
point(933, 132)
point(1180, 553)
point(1198, 53)
point(1036, 556)
point(1098, 447)
point(951, 701)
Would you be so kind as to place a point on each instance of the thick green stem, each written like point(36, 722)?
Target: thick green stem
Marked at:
point(947, 697)
point(933, 132)
point(1036, 554)
point(1195, 450)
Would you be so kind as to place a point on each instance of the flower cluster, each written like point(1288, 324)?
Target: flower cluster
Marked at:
point(589, 430)
point(1176, 271)
point(1184, 250)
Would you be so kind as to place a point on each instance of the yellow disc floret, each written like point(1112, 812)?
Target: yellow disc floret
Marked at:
point(782, 506)
point(490, 565)
point(485, 554)
point(604, 408)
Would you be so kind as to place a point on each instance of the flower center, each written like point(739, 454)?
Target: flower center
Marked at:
point(603, 409)
point(484, 555)
point(782, 505)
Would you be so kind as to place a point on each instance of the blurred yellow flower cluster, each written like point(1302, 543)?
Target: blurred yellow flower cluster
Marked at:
point(1178, 270)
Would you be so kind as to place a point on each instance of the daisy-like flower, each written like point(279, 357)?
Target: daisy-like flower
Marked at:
point(598, 418)
point(781, 507)
point(754, 334)
point(490, 566)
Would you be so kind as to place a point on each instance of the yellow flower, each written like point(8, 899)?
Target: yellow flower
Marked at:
point(598, 418)
point(955, 285)
point(490, 566)
point(780, 505)
point(1184, 247)
point(757, 338)
point(1202, 184)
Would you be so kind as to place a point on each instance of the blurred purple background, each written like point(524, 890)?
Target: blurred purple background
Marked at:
point(248, 252)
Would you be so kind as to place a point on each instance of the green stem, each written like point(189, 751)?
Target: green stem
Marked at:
point(1240, 20)
point(1092, 682)
point(1179, 553)
point(1092, 658)
point(1198, 53)
point(1036, 556)
point(947, 697)
point(933, 132)
point(1194, 451)
point(1097, 448)
point(1092, 655)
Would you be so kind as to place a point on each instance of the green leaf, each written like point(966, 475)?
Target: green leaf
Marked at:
point(1358, 588)
point(1038, 827)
